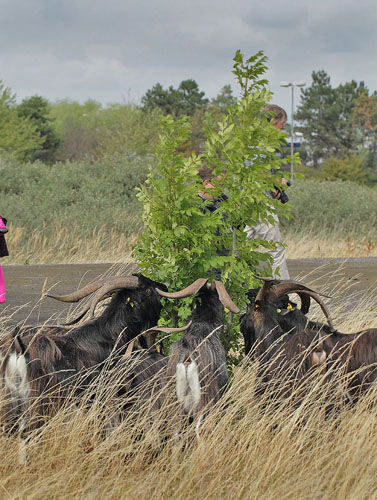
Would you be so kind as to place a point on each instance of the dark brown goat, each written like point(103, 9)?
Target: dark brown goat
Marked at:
point(354, 354)
point(39, 370)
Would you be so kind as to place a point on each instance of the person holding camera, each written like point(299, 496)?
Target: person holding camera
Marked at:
point(270, 231)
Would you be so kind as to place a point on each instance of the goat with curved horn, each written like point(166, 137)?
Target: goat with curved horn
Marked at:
point(284, 355)
point(198, 359)
point(56, 360)
point(354, 352)
point(273, 291)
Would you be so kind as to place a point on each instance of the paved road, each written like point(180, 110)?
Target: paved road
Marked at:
point(26, 285)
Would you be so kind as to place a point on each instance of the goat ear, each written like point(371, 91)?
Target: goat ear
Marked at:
point(19, 346)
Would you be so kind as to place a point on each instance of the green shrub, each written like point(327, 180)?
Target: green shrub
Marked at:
point(344, 169)
point(84, 193)
point(332, 207)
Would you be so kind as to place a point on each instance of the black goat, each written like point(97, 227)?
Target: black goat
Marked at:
point(282, 304)
point(198, 359)
point(40, 370)
point(294, 350)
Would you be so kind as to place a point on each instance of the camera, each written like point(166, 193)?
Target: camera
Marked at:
point(284, 198)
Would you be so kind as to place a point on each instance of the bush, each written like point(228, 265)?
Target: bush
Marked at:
point(332, 207)
point(344, 169)
point(87, 194)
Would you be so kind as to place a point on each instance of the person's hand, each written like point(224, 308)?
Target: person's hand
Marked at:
point(206, 195)
point(277, 194)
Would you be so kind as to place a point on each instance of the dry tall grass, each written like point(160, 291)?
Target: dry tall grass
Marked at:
point(250, 447)
point(69, 245)
point(309, 246)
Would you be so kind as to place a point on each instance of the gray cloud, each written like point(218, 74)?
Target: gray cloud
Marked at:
point(116, 50)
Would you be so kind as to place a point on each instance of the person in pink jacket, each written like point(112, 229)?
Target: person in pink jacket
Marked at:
point(3, 253)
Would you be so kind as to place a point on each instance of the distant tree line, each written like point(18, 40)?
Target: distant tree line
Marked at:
point(339, 126)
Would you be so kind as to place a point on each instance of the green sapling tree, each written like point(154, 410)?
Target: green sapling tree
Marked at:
point(180, 239)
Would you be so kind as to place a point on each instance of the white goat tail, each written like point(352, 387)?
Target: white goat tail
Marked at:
point(188, 386)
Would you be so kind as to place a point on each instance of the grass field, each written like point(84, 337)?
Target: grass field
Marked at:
point(250, 447)
point(101, 244)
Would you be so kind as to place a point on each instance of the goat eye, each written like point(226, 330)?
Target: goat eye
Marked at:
point(290, 307)
point(256, 306)
point(278, 310)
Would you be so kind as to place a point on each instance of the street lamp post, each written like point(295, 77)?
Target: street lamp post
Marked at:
point(292, 85)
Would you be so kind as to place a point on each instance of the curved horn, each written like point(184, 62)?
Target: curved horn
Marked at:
point(77, 319)
point(224, 297)
point(150, 335)
point(92, 287)
point(283, 287)
point(189, 291)
point(268, 282)
point(321, 303)
point(78, 294)
point(305, 302)
point(129, 282)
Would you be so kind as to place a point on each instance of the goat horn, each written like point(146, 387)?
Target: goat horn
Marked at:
point(302, 291)
point(79, 294)
point(278, 289)
point(224, 297)
point(305, 302)
point(82, 313)
point(128, 282)
point(268, 282)
point(189, 291)
point(150, 335)
point(323, 306)
point(87, 290)
point(275, 291)
point(77, 319)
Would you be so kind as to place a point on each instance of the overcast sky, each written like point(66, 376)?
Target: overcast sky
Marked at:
point(114, 50)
